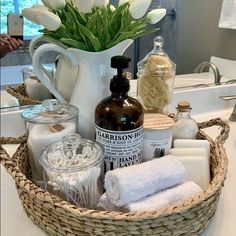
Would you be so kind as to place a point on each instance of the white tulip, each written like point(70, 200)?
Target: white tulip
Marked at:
point(112, 8)
point(49, 20)
point(40, 7)
point(122, 2)
point(100, 3)
point(31, 14)
point(84, 6)
point(156, 15)
point(138, 8)
point(54, 4)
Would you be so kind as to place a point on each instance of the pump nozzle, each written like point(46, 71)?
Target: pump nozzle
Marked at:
point(120, 63)
point(119, 83)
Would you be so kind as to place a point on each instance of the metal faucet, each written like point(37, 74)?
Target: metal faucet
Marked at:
point(201, 67)
point(228, 98)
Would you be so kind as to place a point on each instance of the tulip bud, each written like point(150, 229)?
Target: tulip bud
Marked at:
point(54, 4)
point(31, 14)
point(138, 8)
point(40, 7)
point(84, 6)
point(112, 8)
point(49, 20)
point(100, 3)
point(156, 15)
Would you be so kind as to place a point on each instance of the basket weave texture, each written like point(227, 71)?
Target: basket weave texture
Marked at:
point(58, 217)
point(20, 93)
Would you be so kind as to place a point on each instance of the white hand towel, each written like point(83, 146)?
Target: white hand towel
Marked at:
point(156, 201)
point(165, 198)
point(105, 204)
point(228, 15)
point(129, 184)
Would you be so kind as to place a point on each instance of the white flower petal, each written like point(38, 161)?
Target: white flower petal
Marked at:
point(54, 4)
point(100, 3)
point(31, 14)
point(156, 15)
point(49, 20)
point(112, 8)
point(138, 8)
point(40, 7)
point(85, 6)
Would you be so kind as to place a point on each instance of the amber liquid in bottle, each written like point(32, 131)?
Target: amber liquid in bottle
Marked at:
point(119, 125)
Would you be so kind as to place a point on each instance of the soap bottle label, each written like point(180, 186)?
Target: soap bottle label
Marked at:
point(122, 148)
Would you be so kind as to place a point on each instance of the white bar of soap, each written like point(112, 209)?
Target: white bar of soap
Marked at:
point(197, 169)
point(192, 143)
point(189, 152)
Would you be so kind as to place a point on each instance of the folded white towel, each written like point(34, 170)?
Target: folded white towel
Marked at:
point(129, 184)
point(228, 15)
point(156, 201)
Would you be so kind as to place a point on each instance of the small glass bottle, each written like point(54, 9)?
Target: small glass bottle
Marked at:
point(156, 73)
point(185, 127)
point(119, 122)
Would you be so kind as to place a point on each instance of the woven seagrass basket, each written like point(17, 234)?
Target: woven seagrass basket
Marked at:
point(20, 93)
point(58, 217)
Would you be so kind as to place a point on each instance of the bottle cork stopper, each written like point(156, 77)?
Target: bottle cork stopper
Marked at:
point(183, 105)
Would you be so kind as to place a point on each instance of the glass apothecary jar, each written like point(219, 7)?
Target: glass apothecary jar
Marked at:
point(156, 74)
point(33, 86)
point(45, 124)
point(74, 170)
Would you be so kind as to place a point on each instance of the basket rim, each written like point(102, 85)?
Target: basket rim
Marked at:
point(46, 197)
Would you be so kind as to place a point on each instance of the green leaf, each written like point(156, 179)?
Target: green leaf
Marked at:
point(81, 19)
point(74, 43)
point(93, 40)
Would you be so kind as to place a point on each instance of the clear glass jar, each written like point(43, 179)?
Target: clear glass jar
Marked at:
point(156, 73)
point(74, 170)
point(185, 127)
point(45, 124)
point(33, 86)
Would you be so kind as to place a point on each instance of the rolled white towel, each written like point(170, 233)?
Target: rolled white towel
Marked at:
point(156, 201)
point(165, 198)
point(105, 204)
point(129, 184)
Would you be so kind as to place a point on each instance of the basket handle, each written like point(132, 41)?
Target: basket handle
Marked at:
point(10, 163)
point(224, 134)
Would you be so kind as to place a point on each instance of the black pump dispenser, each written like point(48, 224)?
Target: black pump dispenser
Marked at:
point(119, 83)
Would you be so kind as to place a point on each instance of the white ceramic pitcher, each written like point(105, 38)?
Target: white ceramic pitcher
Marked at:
point(92, 82)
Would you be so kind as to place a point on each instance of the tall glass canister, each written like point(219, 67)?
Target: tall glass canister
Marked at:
point(45, 124)
point(156, 73)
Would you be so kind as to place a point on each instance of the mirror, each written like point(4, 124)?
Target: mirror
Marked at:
point(190, 39)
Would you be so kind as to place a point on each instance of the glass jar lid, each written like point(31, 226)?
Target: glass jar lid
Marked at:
point(50, 112)
point(156, 60)
point(72, 154)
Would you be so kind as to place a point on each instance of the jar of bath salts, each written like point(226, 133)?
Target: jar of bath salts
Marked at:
point(157, 135)
point(185, 127)
point(73, 170)
point(156, 73)
point(45, 124)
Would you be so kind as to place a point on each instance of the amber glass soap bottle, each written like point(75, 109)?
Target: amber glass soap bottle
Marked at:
point(119, 122)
